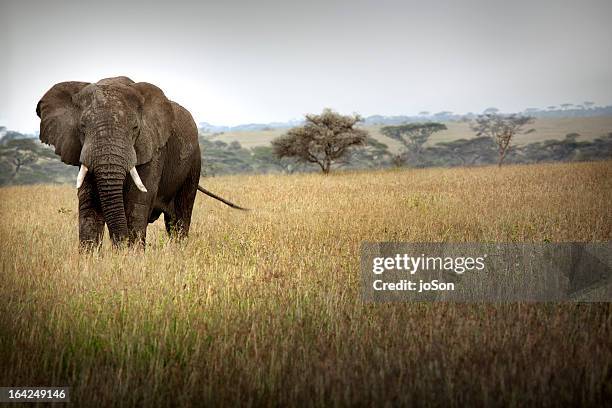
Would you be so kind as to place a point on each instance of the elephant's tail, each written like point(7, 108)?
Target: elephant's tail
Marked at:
point(224, 201)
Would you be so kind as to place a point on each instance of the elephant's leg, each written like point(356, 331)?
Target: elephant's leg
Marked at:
point(138, 205)
point(183, 204)
point(155, 213)
point(91, 220)
point(137, 218)
point(138, 210)
point(170, 221)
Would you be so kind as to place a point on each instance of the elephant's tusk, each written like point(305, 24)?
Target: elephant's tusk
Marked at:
point(137, 180)
point(81, 176)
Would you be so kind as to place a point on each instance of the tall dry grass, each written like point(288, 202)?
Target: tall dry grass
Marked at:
point(265, 308)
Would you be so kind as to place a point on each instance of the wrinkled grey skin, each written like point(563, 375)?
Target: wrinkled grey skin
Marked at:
point(110, 127)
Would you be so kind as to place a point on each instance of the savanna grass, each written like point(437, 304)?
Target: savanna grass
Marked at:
point(264, 307)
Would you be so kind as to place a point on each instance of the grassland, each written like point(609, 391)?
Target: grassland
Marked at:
point(588, 128)
point(265, 308)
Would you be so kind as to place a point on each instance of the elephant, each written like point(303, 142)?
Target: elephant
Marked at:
point(114, 128)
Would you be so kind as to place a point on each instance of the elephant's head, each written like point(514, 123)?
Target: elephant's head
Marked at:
point(107, 129)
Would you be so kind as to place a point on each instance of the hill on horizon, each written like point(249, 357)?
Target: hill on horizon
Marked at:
point(579, 111)
point(588, 129)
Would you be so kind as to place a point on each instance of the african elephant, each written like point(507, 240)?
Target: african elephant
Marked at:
point(117, 127)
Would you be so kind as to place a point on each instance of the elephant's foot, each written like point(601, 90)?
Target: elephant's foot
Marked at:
point(86, 246)
point(91, 229)
point(137, 239)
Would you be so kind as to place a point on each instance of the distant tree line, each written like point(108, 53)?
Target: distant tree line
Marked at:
point(484, 151)
point(333, 141)
point(27, 161)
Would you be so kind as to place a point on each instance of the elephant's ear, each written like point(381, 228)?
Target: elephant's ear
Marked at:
point(59, 120)
point(156, 121)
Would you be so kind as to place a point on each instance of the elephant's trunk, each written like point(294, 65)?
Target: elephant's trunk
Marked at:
point(109, 180)
point(109, 158)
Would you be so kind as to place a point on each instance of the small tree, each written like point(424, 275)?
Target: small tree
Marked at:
point(501, 128)
point(324, 139)
point(235, 145)
point(413, 136)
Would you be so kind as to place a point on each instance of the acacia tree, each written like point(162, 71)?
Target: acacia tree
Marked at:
point(413, 136)
point(324, 139)
point(501, 128)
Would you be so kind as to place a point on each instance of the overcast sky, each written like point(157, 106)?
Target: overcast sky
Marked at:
point(231, 62)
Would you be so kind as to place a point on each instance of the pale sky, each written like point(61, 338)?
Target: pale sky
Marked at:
point(231, 62)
